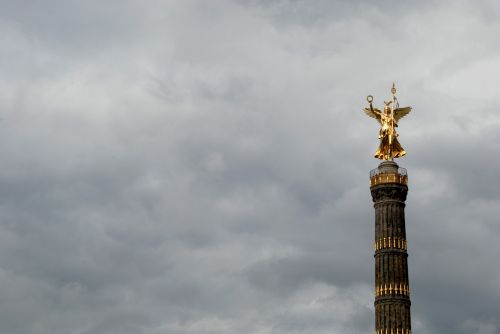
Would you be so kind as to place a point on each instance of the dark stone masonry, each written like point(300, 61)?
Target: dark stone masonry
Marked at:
point(392, 292)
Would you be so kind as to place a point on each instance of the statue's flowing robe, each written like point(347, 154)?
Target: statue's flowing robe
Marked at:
point(389, 147)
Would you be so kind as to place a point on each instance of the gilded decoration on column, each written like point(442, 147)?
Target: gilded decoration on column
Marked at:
point(390, 243)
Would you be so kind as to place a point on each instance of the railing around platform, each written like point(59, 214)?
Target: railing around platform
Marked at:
point(379, 177)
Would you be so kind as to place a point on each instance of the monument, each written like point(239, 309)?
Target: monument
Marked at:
point(389, 187)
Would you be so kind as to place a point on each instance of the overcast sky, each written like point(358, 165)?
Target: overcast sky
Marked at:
point(201, 166)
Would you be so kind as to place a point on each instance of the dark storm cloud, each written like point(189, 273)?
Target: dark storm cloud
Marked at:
point(201, 167)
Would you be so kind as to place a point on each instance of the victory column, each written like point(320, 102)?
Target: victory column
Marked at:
point(389, 186)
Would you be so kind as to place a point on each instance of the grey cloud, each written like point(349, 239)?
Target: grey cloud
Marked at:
point(194, 167)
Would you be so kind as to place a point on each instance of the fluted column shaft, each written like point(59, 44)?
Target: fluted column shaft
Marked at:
point(392, 293)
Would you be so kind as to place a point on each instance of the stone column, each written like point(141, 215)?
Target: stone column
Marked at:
point(388, 185)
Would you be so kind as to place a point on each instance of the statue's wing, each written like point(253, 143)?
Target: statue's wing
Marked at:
point(370, 113)
point(401, 112)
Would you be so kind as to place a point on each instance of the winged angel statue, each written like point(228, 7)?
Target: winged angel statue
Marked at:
point(389, 147)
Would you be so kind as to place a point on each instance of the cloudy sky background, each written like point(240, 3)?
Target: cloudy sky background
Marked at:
point(199, 167)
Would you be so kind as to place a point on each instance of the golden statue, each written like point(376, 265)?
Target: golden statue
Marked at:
point(389, 147)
